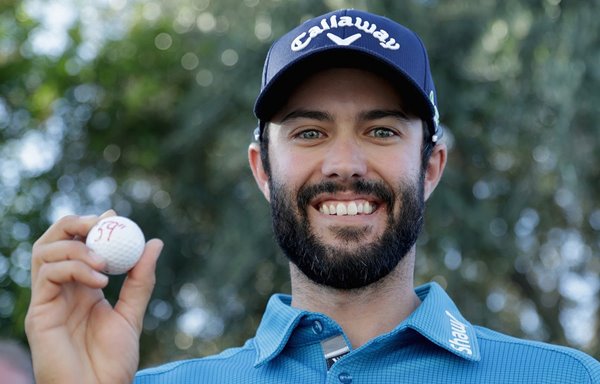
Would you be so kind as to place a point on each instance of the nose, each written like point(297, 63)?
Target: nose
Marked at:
point(344, 159)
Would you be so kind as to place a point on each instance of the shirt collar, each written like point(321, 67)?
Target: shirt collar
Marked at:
point(276, 327)
point(437, 318)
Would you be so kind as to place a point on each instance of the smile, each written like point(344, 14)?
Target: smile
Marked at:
point(347, 208)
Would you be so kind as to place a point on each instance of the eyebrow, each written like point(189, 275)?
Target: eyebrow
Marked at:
point(307, 114)
point(383, 113)
point(370, 115)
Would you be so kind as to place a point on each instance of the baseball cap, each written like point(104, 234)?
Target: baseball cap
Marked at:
point(350, 38)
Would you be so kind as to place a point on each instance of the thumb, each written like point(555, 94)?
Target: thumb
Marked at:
point(138, 286)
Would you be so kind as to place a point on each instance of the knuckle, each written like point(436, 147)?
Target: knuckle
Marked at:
point(36, 249)
point(37, 252)
point(43, 270)
point(74, 250)
point(33, 322)
point(29, 320)
point(66, 219)
point(37, 244)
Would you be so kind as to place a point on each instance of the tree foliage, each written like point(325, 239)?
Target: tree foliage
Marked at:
point(147, 109)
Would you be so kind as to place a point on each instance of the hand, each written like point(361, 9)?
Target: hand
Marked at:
point(75, 335)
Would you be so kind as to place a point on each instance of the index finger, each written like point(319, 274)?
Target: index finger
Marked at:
point(69, 227)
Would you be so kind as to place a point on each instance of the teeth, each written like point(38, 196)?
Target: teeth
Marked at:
point(350, 209)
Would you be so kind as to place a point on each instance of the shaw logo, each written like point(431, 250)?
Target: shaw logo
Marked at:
point(304, 39)
point(460, 342)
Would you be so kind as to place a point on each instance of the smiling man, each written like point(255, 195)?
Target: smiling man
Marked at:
point(353, 210)
point(347, 152)
point(347, 186)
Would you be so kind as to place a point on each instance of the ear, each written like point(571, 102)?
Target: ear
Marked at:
point(260, 176)
point(435, 168)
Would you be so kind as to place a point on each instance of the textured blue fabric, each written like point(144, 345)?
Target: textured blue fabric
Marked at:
point(433, 345)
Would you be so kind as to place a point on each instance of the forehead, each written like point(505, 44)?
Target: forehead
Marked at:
point(344, 87)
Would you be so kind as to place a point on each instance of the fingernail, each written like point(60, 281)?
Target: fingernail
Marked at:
point(110, 212)
point(100, 277)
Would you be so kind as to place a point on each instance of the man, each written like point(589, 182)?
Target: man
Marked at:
point(348, 150)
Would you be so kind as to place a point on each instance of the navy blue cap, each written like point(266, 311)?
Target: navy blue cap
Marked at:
point(354, 38)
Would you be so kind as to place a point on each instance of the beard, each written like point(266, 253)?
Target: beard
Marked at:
point(358, 264)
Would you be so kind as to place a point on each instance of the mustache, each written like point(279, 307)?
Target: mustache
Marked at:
point(377, 189)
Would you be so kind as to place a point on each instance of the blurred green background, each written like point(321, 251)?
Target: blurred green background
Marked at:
point(146, 107)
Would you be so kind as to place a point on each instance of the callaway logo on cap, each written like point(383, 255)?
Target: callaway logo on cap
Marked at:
point(304, 39)
point(350, 38)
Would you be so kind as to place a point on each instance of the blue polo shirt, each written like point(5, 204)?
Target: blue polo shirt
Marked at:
point(435, 344)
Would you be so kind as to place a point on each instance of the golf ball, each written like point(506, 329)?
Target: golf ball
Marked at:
point(119, 241)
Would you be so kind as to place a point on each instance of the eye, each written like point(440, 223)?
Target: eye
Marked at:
point(382, 133)
point(309, 134)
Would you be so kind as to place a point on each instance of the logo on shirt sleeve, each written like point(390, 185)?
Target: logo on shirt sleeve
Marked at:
point(460, 339)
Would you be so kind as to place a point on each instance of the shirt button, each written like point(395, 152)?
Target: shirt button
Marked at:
point(317, 327)
point(345, 378)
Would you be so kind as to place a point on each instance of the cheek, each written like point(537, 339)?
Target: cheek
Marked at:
point(292, 168)
point(396, 164)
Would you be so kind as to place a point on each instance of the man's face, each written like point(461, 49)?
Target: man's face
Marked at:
point(346, 184)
